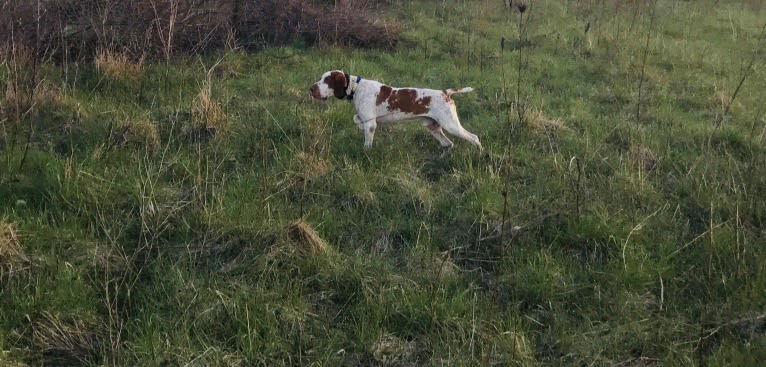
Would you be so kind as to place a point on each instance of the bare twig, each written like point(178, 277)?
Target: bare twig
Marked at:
point(652, 17)
point(746, 71)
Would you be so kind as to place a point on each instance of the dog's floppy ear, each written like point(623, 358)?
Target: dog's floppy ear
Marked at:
point(337, 81)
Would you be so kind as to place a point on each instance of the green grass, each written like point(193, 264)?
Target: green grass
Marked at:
point(156, 234)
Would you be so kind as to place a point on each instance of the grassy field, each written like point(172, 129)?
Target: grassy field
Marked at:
point(207, 212)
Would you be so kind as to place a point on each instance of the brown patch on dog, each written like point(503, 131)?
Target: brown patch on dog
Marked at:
point(372, 129)
point(385, 92)
point(406, 100)
point(314, 90)
point(338, 83)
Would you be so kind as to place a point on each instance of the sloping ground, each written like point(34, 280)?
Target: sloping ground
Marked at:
point(208, 212)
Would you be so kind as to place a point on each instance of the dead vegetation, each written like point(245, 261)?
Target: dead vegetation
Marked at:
point(61, 341)
point(12, 257)
point(305, 238)
point(118, 66)
point(538, 121)
point(643, 158)
point(66, 30)
point(138, 133)
point(208, 117)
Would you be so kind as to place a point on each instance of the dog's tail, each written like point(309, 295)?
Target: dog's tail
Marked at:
point(452, 91)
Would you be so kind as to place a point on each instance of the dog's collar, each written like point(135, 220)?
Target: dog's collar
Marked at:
point(352, 85)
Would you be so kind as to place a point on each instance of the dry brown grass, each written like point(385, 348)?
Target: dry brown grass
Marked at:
point(390, 350)
point(313, 158)
point(208, 115)
point(305, 238)
point(139, 132)
point(12, 256)
point(538, 121)
point(443, 266)
point(723, 99)
point(437, 268)
point(643, 158)
point(118, 65)
point(64, 342)
point(24, 88)
point(65, 30)
point(313, 166)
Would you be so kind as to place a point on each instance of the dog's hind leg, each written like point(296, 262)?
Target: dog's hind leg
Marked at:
point(436, 132)
point(451, 123)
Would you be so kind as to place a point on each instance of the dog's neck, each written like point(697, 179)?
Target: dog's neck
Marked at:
point(353, 83)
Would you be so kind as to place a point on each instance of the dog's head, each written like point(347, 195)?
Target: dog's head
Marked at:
point(331, 83)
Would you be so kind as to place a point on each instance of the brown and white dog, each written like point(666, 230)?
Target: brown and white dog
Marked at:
point(376, 103)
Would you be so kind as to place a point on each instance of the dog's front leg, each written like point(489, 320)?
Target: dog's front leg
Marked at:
point(368, 126)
